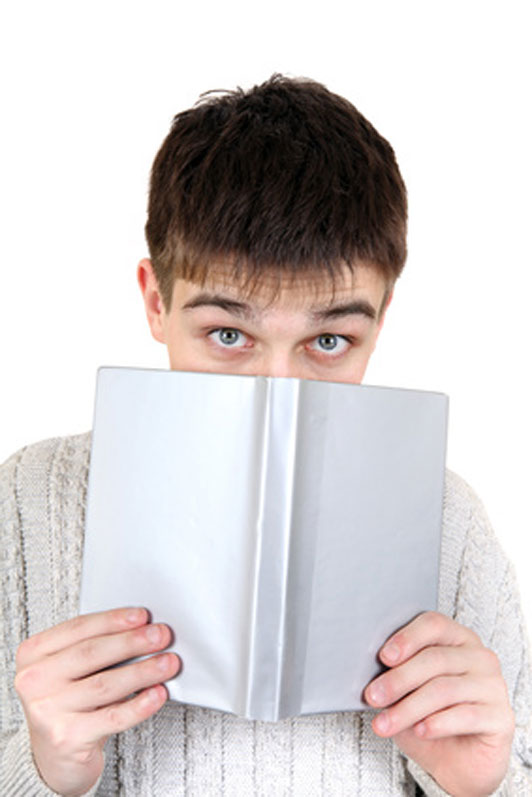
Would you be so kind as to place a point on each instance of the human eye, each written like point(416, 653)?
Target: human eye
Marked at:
point(228, 338)
point(330, 345)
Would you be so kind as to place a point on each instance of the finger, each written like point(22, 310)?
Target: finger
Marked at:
point(77, 731)
point(114, 685)
point(97, 653)
point(429, 663)
point(85, 626)
point(122, 716)
point(466, 719)
point(52, 674)
point(438, 694)
point(429, 628)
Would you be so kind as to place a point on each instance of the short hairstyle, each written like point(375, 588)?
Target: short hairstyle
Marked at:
point(286, 179)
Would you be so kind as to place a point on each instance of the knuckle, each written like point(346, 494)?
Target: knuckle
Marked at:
point(435, 622)
point(444, 687)
point(433, 725)
point(435, 658)
point(60, 736)
point(76, 624)
point(114, 716)
point(470, 713)
point(500, 689)
point(491, 661)
point(85, 755)
point(137, 709)
point(25, 651)
point(511, 723)
point(19, 683)
point(41, 712)
point(100, 686)
point(25, 680)
point(395, 684)
point(88, 651)
point(124, 715)
point(474, 637)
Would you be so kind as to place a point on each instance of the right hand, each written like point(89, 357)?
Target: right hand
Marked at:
point(73, 704)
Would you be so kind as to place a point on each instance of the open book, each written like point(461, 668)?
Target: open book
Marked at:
point(283, 528)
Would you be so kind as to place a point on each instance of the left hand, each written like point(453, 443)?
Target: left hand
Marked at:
point(446, 704)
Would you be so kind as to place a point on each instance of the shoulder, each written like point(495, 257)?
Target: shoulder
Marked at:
point(461, 503)
point(42, 506)
point(43, 461)
point(39, 477)
point(42, 480)
point(44, 451)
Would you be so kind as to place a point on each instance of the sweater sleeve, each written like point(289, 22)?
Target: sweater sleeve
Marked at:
point(18, 774)
point(482, 594)
point(19, 777)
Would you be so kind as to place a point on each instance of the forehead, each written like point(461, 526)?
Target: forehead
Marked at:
point(274, 292)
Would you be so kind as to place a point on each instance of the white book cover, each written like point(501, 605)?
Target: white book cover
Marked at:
point(282, 528)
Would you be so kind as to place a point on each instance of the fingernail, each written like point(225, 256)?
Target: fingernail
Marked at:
point(383, 722)
point(377, 693)
point(151, 696)
point(391, 652)
point(163, 662)
point(134, 616)
point(153, 633)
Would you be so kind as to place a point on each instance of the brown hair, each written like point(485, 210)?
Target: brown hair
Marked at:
point(286, 179)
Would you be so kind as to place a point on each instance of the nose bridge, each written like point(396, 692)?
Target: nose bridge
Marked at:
point(280, 343)
point(280, 361)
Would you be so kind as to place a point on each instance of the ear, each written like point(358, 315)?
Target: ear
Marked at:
point(153, 303)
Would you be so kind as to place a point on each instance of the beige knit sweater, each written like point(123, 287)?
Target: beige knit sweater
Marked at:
point(186, 750)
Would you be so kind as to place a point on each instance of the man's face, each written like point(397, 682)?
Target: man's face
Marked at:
point(303, 332)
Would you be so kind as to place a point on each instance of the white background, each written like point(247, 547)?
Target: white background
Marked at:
point(89, 91)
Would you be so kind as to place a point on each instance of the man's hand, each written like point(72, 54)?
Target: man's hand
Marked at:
point(73, 703)
point(446, 704)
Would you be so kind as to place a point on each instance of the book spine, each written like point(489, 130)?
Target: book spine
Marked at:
point(272, 557)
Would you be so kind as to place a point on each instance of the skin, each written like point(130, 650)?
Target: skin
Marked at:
point(279, 337)
point(442, 700)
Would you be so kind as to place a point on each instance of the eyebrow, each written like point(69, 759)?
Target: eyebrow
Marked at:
point(355, 307)
point(224, 303)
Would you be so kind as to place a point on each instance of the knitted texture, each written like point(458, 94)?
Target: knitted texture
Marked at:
point(186, 750)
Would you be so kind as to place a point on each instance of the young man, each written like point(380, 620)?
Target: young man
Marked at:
point(276, 229)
